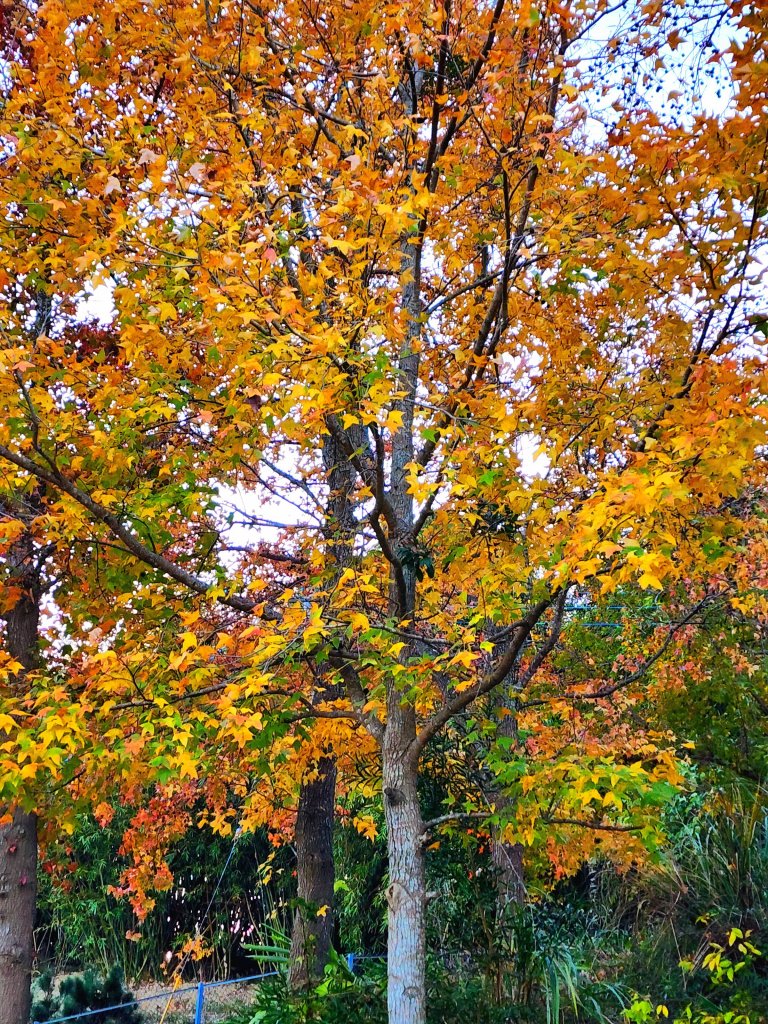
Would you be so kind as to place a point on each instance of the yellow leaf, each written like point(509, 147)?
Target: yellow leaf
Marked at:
point(394, 420)
point(359, 621)
point(167, 311)
point(589, 795)
point(188, 641)
point(648, 579)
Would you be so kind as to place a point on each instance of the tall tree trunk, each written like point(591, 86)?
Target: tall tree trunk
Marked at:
point(407, 892)
point(313, 921)
point(406, 895)
point(18, 837)
point(312, 934)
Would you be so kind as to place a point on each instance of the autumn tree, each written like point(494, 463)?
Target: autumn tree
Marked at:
point(22, 588)
point(390, 254)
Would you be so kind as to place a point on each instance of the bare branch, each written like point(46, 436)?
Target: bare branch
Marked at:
point(446, 819)
point(546, 648)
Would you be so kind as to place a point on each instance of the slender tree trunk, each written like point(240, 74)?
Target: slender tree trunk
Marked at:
point(406, 895)
point(507, 858)
point(18, 837)
point(371, 932)
point(313, 921)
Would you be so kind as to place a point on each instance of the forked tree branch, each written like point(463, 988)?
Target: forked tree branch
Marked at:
point(133, 544)
point(632, 677)
point(496, 674)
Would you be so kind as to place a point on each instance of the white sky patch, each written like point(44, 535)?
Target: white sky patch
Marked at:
point(97, 304)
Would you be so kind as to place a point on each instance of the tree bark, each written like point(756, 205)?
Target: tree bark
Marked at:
point(406, 895)
point(18, 893)
point(18, 837)
point(313, 921)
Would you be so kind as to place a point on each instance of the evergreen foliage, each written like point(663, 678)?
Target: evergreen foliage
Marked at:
point(78, 993)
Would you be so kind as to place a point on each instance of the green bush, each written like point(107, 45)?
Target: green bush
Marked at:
point(712, 882)
point(339, 999)
point(342, 998)
point(77, 993)
point(454, 998)
point(722, 966)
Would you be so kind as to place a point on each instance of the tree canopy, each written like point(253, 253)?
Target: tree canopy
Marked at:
point(430, 326)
